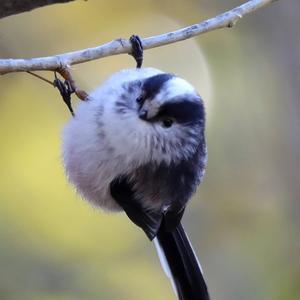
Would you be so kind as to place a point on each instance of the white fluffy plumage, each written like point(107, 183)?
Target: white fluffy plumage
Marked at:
point(106, 138)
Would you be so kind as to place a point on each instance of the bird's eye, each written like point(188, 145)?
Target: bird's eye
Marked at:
point(140, 99)
point(167, 122)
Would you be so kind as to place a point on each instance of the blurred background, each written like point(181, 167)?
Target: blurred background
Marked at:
point(244, 221)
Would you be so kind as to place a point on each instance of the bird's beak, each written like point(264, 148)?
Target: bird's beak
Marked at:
point(143, 113)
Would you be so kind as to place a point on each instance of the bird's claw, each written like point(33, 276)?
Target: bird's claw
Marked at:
point(137, 50)
point(66, 90)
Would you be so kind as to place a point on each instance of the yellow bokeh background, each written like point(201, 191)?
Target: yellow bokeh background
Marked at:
point(244, 220)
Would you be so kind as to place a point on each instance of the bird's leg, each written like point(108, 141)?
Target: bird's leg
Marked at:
point(66, 74)
point(137, 50)
point(68, 87)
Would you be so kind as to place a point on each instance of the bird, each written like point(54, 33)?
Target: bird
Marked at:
point(137, 145)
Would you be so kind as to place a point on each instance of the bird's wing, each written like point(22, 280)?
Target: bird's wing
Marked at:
point(122, 191)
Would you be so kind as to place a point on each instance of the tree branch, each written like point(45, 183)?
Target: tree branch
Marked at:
point(13, 7)
point(119, 46)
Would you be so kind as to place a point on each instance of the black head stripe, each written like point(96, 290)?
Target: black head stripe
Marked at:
point(184, 111)
point(153, 85)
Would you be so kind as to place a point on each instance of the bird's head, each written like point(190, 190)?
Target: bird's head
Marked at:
point(163, 118)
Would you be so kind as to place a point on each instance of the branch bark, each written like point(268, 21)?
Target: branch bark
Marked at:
point(13, 7)
point(119, 46)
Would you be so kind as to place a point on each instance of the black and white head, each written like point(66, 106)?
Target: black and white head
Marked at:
point(137, 117)
point(159, 115)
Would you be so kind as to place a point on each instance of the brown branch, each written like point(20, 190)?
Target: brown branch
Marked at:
point(13, 7)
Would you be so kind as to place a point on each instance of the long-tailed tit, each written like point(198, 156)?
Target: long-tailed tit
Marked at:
point(137, 145)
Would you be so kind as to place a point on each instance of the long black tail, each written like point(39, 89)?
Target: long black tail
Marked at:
point(183, 264)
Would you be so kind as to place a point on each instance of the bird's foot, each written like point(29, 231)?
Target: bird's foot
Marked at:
point(66, 90)
point(137, 50)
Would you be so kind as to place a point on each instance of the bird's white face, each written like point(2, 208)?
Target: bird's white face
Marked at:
point(157, 118)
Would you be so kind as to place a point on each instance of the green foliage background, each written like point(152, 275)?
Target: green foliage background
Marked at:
point(244, 220)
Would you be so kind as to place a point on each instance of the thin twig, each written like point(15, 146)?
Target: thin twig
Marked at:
point(119, 46)
point(40, 77)
point(66, 74)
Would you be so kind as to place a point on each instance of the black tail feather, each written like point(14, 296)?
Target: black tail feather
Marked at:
point(183, 264)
